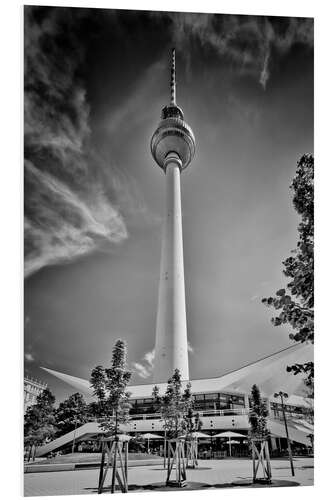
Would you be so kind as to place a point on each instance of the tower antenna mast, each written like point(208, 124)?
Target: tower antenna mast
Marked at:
point(173, 78)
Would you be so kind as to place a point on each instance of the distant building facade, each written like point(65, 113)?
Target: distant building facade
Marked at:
point(32, 388)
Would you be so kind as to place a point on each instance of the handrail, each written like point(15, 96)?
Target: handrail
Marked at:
point(203, 413)
point(208, 413)
point(292, 416)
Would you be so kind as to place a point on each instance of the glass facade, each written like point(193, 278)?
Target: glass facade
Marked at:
point(218, 401)
point(290, 411)
point(202, 402)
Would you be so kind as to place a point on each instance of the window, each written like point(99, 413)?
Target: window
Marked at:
point(199, 397)
point(212, 396)
point(238, 401)
point(172, 112)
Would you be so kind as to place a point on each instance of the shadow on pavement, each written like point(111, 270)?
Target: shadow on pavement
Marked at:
point(191, 485)
point(188, 469)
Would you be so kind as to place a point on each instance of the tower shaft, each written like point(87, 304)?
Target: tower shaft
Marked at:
point(172, 146)
point(171, 350)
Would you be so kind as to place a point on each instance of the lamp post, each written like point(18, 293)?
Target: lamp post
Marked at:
point(74, 436)
point(164, 449)
point(76, 418)
point(283, 395)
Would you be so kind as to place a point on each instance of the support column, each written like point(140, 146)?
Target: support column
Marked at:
point(171, 331)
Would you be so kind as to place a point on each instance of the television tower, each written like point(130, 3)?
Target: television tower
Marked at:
point(172, 147)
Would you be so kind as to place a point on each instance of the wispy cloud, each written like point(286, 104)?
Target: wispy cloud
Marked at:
point(190, 348)
point(145, 367)
point(68, 210)
point(264, 74)
point(141, 370)
point(131, 112)
point(61, 226)
point(246, 43)
point(254, 297)
point(149, 357)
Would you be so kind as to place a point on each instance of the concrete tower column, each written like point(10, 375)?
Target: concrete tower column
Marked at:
point(173, 147)
point(171, 331)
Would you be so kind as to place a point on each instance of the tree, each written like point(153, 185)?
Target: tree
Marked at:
point(192, 422)
point(257, 415)
point(71, 413)
point(258, 436)
point(175, 406)
point(296, 307)
point(95, 410)
point(109, 386)
point(39, 420)
point(308, 392)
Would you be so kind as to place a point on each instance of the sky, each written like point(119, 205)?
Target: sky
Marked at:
point(95, 83)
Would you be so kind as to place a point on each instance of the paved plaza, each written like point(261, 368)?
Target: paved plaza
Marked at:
point(209, 474)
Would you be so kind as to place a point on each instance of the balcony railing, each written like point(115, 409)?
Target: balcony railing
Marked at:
point(292, 416)
point(203, 413)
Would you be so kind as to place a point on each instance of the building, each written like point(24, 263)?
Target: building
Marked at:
point(222, 402)
point(32, 388)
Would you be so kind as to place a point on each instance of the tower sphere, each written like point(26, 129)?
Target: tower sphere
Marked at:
point(173, 135)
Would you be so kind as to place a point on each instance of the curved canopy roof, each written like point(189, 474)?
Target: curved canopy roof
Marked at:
point(269, 373)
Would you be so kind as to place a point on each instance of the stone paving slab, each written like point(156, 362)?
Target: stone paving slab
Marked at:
point(210, 474)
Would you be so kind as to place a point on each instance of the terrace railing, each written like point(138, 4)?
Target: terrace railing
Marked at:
point(202, 413)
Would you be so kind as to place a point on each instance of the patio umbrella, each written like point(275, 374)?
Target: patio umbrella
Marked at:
point(124, 437)
point(149, 436)
point(199, 435)
point(230, 434)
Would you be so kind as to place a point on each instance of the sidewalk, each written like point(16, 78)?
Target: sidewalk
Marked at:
point(210, 473)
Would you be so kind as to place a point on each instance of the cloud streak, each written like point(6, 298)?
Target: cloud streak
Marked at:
point(246, 43)
point(145, 367)
point(141, 370)
point(67, 226)
point(29, 357)
point(68, 211)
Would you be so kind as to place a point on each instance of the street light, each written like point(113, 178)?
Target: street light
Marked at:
point(283, 395)
point(74, 436)
point(76, 418)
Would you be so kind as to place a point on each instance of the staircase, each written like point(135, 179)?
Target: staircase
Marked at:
point(87, 429)
point(277, 429)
